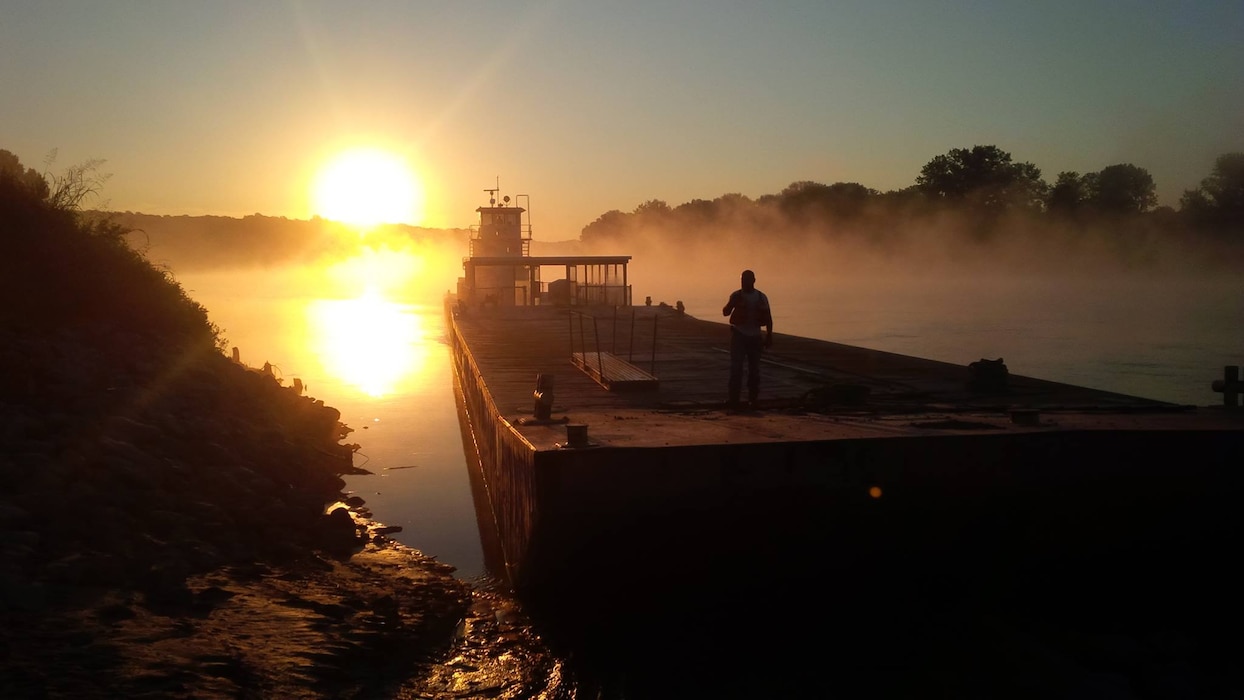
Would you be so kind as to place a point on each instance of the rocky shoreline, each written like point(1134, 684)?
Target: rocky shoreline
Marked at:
point(174, 526)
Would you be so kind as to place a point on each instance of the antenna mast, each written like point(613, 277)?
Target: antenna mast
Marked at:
point(492, 193)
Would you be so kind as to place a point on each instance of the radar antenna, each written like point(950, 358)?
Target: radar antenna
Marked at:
point(492, 193)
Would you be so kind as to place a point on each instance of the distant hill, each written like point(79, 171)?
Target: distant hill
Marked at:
point(187, 243)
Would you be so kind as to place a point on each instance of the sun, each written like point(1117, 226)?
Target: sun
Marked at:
point(366, 187)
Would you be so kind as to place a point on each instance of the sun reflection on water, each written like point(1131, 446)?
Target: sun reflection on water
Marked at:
point(369, 342)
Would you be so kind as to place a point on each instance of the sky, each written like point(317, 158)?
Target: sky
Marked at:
point(233, 108)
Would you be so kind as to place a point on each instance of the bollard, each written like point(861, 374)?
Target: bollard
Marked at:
point(1229, 386)
point(576, 435)
point(544, 397)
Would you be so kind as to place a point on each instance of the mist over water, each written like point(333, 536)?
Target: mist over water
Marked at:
point(1160, 322)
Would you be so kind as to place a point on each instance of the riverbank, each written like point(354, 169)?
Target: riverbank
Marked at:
point(166, 530)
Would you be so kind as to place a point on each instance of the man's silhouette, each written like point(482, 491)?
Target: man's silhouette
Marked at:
point(748, 309)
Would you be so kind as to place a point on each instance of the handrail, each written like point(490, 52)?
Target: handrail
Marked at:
point(653, 364)
point(630, 351)
point(600, 361)
point(582, 362)
point(582, 344)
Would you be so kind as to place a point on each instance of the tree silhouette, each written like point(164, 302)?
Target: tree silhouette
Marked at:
point(653, 210)
point(653, 215)
point(804, 202)
point(983, 177)
point(1122, 189)
point(19, 180)
point(696, 214)
point(1068, 194)
point(610, 226)
point(1219, 201)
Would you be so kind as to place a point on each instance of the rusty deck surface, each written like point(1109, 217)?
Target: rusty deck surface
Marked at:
point(690, 361)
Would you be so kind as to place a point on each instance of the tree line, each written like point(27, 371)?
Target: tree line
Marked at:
point(983, 189)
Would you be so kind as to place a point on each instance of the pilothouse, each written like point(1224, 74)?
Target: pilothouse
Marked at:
point(500, 270)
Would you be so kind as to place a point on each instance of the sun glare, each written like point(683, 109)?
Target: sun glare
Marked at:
point(369, 342)
point(366, 187)
point(390, 271)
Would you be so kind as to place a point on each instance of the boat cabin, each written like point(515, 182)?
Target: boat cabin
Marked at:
point(500, 270)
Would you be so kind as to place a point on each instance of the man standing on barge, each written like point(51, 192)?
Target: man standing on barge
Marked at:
point(748, 309)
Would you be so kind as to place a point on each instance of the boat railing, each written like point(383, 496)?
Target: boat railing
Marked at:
point(581, 358)
point(603, 294)
point(598, 355)
point(538, 292)
point(514, 295)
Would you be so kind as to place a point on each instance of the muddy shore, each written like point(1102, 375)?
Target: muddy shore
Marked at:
point(173, 525)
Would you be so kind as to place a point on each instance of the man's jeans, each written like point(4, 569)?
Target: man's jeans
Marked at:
point(745, 347)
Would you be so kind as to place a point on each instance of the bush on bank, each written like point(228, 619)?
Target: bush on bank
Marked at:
point(136, 452)
point(61, 269)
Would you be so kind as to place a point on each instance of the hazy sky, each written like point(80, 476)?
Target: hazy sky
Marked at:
point(221, 107)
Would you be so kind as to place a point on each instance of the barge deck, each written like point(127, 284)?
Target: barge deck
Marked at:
point(842, 435)
point(811, 389)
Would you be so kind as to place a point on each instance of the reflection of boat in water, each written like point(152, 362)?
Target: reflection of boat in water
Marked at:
point(885, 482)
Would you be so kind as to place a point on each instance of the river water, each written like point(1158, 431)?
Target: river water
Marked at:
point(367, 336)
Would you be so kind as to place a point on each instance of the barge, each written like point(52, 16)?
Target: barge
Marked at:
point(603, 438)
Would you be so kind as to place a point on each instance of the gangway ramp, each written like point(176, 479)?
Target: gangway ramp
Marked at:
point(612, 372)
